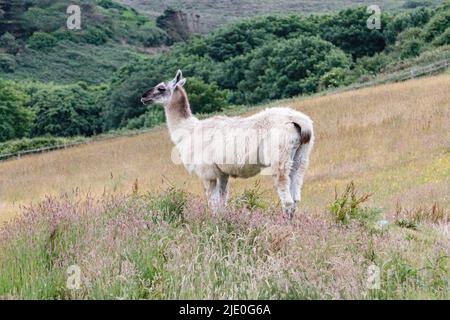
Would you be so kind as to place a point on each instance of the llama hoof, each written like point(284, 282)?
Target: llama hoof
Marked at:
point(290, 210)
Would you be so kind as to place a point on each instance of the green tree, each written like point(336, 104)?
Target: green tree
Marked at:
point(438, 24)
point(7, 63)
point(348, 31)
point(204, 97)
point(285, 68)
point(402, 21)
point(70, 110)
point(15, 118)
point(41, 41)
point(9, 43)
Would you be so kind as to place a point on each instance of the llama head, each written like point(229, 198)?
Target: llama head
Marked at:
point(162, 92)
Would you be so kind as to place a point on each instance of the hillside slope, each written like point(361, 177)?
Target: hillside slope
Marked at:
point(206, 15)
point(392, 140)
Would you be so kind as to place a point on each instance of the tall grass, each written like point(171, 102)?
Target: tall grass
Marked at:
point(168, 246)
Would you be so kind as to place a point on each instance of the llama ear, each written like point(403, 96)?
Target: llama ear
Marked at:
point(179, 76)
point(181, 82)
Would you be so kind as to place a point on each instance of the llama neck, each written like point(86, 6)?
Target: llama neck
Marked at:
point(178, 109)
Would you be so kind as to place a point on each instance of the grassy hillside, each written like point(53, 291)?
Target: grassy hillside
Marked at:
point(205, 15)
point(391, 140)
point(35, 43)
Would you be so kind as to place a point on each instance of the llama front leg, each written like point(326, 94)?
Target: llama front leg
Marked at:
point(212, 190)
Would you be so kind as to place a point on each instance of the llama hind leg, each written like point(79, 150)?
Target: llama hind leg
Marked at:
point(282, 181)
point(299, 166)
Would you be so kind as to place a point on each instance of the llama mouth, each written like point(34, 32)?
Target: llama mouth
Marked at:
point(146, 100)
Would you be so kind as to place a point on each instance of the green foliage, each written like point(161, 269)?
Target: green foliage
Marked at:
point(251, 199)
point(410, 43)
point(15, 118)
point(66, 110)
point(149, 119)
point(168, 206)
point(69, 62)
point(373, 64)
point(45, 18)
point(7, 63)
point(402, 21)
point(334, 78)
point(438, 24)
point(24, 144)
point(9, 43)
point(204, 97)
point(347, 207)
point(348, 31)
point(95, 36)
point(284, 69)
point(41, 41)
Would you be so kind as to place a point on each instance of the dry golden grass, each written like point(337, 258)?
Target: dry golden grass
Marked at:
point(392, 140)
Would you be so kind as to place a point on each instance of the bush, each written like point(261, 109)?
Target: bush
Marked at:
point(204, 97)
point(347, 207)
point(334, 78)
point(7, 63)
point(373, 64)
point(438, 24)
point(150, 119)
point(9, 43)
point(168, 206)
point(283, 69)
point(71, 110)
point(25, 144)
point(251, 199)
point(95, 36)
point(41, 41)
point(410, 19)
point(348, 31)
point(15, 118)
point(443, 39)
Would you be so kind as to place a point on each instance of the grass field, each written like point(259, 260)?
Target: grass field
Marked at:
point(392, 141)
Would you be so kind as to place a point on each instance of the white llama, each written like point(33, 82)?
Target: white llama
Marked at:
point(219, 147)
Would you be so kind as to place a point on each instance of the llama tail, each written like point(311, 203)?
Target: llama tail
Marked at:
point(305, 130)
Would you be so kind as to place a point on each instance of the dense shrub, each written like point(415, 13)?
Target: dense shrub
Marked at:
point(204, 97)
point(336, 77)
point(410, 19)
point(15, 118)
point(348, 31)
point(438, 24)
point(373, 64)
point(95, 36)
point(9, 43)
point(285, 69)
point(66, 111)
point(443, 39)
point(7, 63)
point(41, 41)
point(410, 42)
point(151, 118)
point(24, 144)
